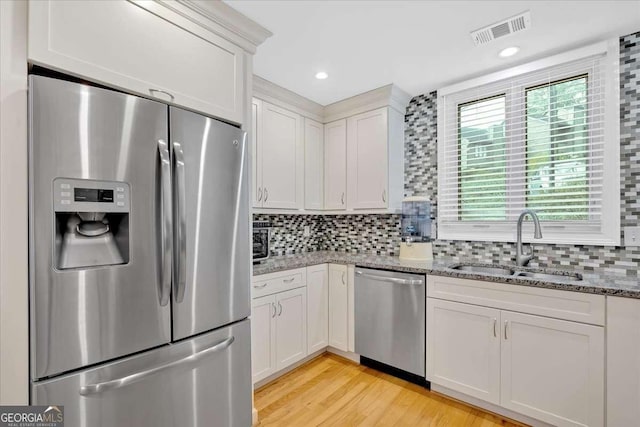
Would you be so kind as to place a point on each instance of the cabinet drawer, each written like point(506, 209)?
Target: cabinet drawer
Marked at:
point(271, 283)
point(575, 306)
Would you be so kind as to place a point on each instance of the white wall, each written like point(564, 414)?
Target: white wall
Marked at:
point(14, 322)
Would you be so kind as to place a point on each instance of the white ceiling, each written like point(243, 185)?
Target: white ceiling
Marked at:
point(418, 45)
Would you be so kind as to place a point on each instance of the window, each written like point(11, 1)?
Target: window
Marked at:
point(543, 136)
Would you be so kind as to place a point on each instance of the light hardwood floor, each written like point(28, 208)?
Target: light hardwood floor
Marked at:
point(332, 391)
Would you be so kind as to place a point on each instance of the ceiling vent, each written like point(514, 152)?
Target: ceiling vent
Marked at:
point(515, 24)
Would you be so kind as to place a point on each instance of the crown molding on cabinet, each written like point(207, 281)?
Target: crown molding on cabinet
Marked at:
point(285, 98)
point(221, 19)
point(385, 96)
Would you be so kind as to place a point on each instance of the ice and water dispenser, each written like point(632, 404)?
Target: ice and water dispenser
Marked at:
point(91, 223)
point(416, 229)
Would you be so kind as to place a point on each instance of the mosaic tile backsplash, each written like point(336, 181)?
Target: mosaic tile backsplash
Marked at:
point(381, 233)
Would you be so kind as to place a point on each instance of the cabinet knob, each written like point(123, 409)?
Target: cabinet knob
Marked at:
point(273, 305)
point(279, 306)
point(384, 196)
point(260, 194)
point(342, 198)
point(266, 194)
point(506, 326)
point(343, 281)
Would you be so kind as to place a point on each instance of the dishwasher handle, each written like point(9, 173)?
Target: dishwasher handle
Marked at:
point(394, 280)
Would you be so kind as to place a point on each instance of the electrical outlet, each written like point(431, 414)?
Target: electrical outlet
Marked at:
point(307, 231)
point(632, 236)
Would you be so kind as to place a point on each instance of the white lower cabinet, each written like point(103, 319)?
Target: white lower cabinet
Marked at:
point(338, 307)
point(317, 308)
point(463, 348)
point(291, 327)
point(263, 337)
point(623, 361)
point(548, 369)
point(279, 331)
point(553, 370)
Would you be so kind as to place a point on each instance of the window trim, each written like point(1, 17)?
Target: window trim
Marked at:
point(607, 231)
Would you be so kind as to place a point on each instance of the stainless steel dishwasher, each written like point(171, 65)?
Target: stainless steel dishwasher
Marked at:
point(390, 319)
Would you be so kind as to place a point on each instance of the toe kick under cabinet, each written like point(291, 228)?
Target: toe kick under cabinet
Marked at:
point(536, 352)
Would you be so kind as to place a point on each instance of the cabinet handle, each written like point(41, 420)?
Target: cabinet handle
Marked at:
point(274, 309)
point(260, 286)
point(266, 194)
point(289, 280)
point(506, 325)
point(343, 282)
point(260, 194)
point(384, 196)
point(342, 198)
point(280, 307)
point(154, 91)
point(495, 325)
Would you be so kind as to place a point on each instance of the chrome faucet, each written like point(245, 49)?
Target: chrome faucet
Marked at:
point(523, 259)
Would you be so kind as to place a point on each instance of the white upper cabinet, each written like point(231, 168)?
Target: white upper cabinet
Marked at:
point(354, 162)
point(335, 165)
point(256, 177)
point(313, 164)
point(144, 48)
point(280, 153)
point(375, 159)
point(367, 158)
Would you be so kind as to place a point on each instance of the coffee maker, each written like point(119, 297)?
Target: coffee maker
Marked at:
point(91, 223)
point(416, 229)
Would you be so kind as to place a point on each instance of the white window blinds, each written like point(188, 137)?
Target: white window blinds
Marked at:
point(535, 140)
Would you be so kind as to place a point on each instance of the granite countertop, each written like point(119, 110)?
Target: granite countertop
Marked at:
point(591, 283)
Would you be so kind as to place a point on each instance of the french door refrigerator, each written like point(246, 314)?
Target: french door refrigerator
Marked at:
point(139, 260)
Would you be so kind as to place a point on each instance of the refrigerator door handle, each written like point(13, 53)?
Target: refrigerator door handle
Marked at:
point(181, 229)
point(188, 361)
point(166, 218)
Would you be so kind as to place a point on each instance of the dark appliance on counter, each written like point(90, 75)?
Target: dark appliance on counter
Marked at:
point(260, 241)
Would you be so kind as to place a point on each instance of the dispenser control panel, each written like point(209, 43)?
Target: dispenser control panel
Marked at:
point(85, 195)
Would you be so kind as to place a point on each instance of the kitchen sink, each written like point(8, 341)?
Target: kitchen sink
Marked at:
point(501, 270)
point(549, 276)
point(484, 269)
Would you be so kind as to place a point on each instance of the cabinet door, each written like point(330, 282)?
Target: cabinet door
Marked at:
point(136, 47)
point(282, 153)
point(553, 370)
point(256, 164)
point(335, 165)
point(463, 348)
point(317, 308)
point(291, 327)
point(263, 337)
point(367, 157)
point(338, 307)
point(313, 164)
point(623, 361)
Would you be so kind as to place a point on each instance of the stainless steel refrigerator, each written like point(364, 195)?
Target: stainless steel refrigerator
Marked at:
point(139, 260)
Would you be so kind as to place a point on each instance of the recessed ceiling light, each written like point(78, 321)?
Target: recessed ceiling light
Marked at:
point(321, 75)
point(510, 51)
